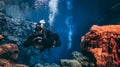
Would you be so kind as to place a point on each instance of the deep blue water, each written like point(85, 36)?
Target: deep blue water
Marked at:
point(71, 20)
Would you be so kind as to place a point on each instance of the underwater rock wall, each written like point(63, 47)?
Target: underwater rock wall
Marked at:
point(16, 30)
point(102, 45)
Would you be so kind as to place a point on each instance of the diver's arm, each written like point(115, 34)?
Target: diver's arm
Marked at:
point(55, 38)
point(28, 42)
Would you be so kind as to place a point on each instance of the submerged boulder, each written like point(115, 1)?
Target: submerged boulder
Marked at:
point(78, 60)
point(70, 63)
point(102, 45)
point(46, 65)
point(9, 56)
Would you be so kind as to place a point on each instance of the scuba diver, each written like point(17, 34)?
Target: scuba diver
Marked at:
point(42, 38)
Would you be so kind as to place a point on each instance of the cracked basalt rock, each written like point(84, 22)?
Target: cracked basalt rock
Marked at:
point(46, 65)
point(78, 60)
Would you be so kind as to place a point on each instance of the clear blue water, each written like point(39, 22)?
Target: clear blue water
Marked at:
point(71, 19)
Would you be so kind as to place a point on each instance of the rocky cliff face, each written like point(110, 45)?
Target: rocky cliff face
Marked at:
point(102, 45)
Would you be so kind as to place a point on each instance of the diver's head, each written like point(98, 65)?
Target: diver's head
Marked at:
point(37, 27)
point(42, 22)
